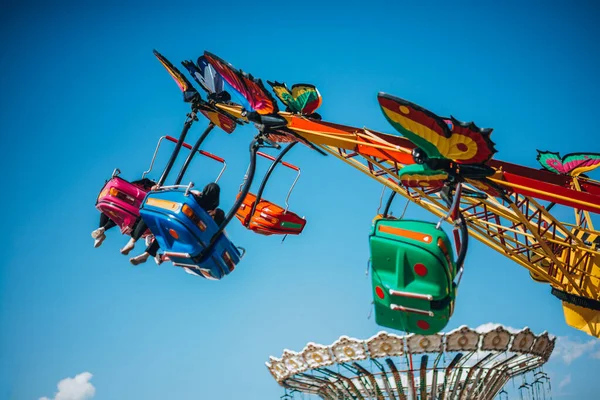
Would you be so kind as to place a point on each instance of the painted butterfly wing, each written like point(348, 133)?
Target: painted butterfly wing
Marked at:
point(189, 92)
point(307, 98)
point(252, 91)
point(210, 79)
point(551, 161)
point(260, 99)
point(462, 142)
point(282, 92)
point(576, 164)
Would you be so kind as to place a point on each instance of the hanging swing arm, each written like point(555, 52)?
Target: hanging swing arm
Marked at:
point(263, 184)
point(191, 117)
point(455, 215)
point(464, 241)
point(193, 151)
point(256, 143)
point(388, 204)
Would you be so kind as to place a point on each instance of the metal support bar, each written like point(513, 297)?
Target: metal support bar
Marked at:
point(186, 127)
point(396, 307)
point(409, 295)
point(263, 184)
point(254, 145)
point(193, 151)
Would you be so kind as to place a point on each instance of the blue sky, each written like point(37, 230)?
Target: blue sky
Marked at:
point(83, 94)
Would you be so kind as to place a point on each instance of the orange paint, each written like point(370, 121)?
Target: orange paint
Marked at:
point(166, 204)
point(405, 233)
point(444, 249)
point(269, 218)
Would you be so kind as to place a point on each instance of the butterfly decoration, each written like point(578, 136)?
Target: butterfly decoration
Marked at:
point(204, 74)
point(303, 99)
point(191, 95)
point(461, 142)
point(573, 164)
point(207, 77)
point(418, 175)
point(446, 148)
point(260, 104)
point(219, 119)
point(250, 91)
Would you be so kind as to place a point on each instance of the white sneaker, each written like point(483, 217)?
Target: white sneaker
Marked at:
point(142, 258)
point(97, 233)
point(128, 247)
point(149, 239)
point(158, 259)
point(99, 240)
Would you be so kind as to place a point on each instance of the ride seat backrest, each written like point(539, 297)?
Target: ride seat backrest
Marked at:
point(414, 241)
point(243, 213)
point(413, 270)
point(123, 206)
point(269, 218)
point(131, 189)
point(263, 205)
point(273, 208)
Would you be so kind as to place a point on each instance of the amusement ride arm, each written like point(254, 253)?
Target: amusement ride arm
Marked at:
point(394, 149)
point(186, 127)
point(254, 145)
point(193, 151)
point(268, 175)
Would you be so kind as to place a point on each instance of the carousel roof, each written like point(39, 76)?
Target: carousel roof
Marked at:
point(390, 366)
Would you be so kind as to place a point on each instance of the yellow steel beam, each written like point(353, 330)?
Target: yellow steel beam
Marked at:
point(480, 227)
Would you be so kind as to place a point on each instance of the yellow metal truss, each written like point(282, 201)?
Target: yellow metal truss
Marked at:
point(561, 254)
point(564, 255)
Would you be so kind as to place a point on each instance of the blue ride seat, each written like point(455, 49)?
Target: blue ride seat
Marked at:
point(183, 230)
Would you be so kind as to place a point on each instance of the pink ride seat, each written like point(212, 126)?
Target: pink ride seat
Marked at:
point(120, 201)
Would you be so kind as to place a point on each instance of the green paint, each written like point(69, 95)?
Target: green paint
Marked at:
point(290, 225)
point(296, 105)
point(429, 148)
point(393, 259)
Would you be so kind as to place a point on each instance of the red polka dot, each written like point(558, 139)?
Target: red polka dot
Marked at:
point(423, 324)
point(420, 269)
point(379, 292)
point(462, 147)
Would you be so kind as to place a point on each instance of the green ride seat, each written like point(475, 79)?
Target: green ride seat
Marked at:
point(413, 271)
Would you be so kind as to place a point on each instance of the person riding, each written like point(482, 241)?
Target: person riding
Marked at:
point(99, 234)
point(208, 199)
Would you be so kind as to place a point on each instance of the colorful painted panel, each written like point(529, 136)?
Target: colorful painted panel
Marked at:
point(252, 90)
point(573, 164)
point(302, 99)
point(462, 142)
point(189, 92)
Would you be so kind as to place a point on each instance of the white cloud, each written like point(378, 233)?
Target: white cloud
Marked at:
point(490, 326)
point(77, 388)
point(570, 350)
point(566, 380)
point(596, 355)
